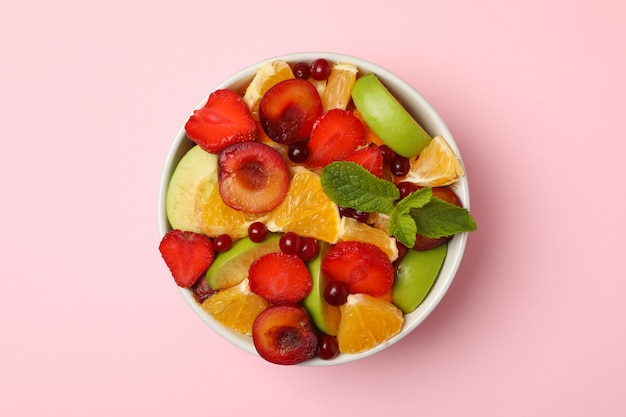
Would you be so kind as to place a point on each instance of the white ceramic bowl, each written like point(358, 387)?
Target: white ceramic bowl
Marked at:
point(428, 118)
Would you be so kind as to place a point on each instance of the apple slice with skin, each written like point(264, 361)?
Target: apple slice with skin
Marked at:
point(388, 118)
point(194, 176)
point(415, 276)
point(325, 316)
point(231, 267)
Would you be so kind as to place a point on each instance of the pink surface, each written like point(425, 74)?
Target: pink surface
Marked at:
point(91, 98)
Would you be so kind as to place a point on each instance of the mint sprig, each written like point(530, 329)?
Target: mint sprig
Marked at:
point(439, 218)
point(350, 185)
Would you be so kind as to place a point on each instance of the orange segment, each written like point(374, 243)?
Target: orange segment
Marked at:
point(218, 218)
point(270, 74)
point(235, 307)
point(338, 89)
point(436, 165)
point(306, 210)
point(366, 322)
point(352, 229)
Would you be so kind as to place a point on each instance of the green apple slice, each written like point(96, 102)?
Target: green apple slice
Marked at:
point(415, 276)
point(325, 316)
point(231, 267)
point(194, 177)
point(388, 118)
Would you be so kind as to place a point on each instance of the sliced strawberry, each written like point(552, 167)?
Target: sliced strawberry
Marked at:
point(335, 135)
point(223, 120)
point(187, 254)
point(370, 158)
point(364, 267)
point(280, 278)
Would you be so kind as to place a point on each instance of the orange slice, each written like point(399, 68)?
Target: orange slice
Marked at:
point(218, 218)
point(235, 307)
point(436, 165)
point(270, 74)
point(338, 89)
point(306, 210)
point(366, 322)
point(352, 229)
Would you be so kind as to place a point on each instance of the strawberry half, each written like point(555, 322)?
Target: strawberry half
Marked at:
point(364, 267)
point(222, 121)
point(335, 135)
point(370, 158)
point(280, 278)
point(187, 254)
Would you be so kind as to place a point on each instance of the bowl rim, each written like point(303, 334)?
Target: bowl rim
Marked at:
point(420, 108)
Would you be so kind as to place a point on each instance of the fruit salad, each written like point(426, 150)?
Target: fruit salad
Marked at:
point(313, 212)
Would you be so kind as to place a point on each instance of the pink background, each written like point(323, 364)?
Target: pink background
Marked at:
point(91, 97)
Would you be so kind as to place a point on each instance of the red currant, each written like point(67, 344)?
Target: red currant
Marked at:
point(336, 293)
point(290, 243)
point(327, 347)
point(400, 166)
point(301, 70)
point(320, 69)
point(309, 249)
point(257, 232)
point(222, 243)
point(388, 154)
point(406, 188)
point(298, 152)
point(361, 216)
point(346, 211)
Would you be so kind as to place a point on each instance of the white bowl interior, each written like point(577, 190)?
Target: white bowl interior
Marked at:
point(428, 118)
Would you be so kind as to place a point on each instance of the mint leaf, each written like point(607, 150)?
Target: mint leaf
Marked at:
point(348, 184)
point(403, 228)
point(401, 223)
point(416, 199)
point(438, 218)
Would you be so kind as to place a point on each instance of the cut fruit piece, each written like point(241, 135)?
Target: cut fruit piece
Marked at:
point(187, 255)
point(270, 74)
point(193, 202)
point(218, 218)
point(231, 267)
point(283, 334)
point(306, 210)
point(280, 278)
point(222, 121)
point(335, 135)
point(370, 135)
point(236, 307)
point(320, 85)
point(354, 230)
point(189, 189)
point(289, 109)
point(339, 86)
point(366, 322)
point(388, 118)
point(325, 316)
point(370, 158)
point(415, 275)
point(436, 165)
point(252, 177)
point(364, 267)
